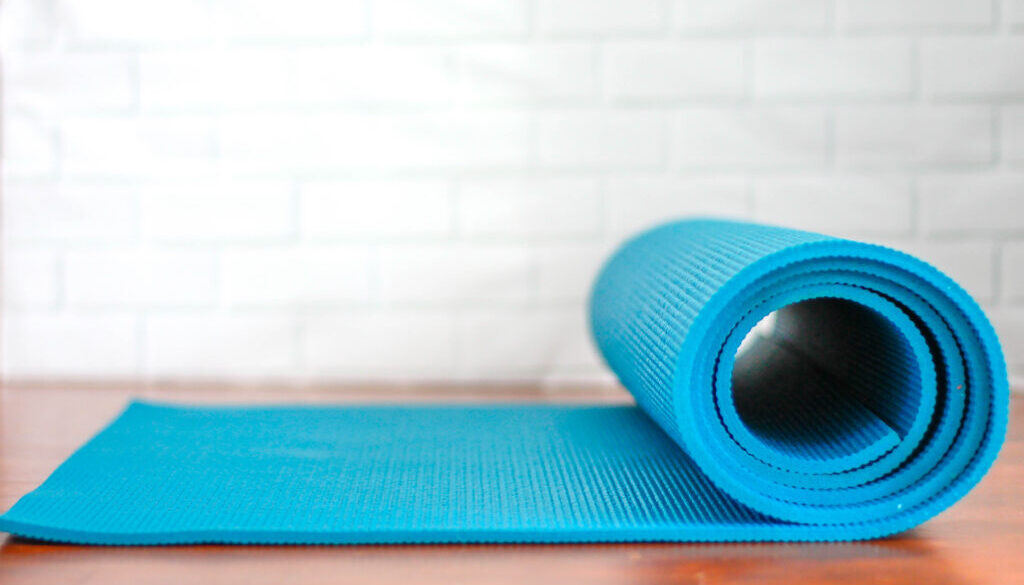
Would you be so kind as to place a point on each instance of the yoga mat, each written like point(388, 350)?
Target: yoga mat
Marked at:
point(872, 397)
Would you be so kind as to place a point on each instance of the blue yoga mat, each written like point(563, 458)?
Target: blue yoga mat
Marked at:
point(873, 397)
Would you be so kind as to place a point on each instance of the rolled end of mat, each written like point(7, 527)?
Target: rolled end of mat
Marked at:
point(841, 390)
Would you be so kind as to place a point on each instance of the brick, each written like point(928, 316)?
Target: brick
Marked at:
point(968, 262)
point(296, 276)
point(1013, 270)
point(750, 136)
point(530, 207)
point(196, 211)
point(1012, 129)
point(750, 15)
point(105, 22)
point(295, 143)
point(453, 274)
point(193, 78)
point(217, 345)
point(28, 23)
point(30, 278)
point(638, 202)
point(862, 68)
point(30, 146)
point(536, 345)
point(450, 18)
point(405, 179)
point(136, 147)
point(380, 345)
point(629, 139)
point(900, 15)
point(1013, 12)
point(63, 345)
point(601, 17)
point(973, 67)
point(893, 136)
point(71, 212)
point(565, 272)
point(54, 83)
point(837, 205)
point(965, 203)
point(115, 278)
point(517, 73)
point(356, 209)
point(259, 20)
point(971, 262)
point(1009, 325)
point(674, 69)
point(306, 76)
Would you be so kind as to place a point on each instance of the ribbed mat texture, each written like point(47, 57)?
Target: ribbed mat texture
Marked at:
point(871, 396)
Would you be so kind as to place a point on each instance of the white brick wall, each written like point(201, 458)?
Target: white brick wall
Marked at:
point(399, 189)
point(376, 209)
point(667, 69)
point(837, 203)
point(832, 68)
point(277, 275)
point(915, 15)
point(950, 67)
point(913, 136)
point(751, 16)
point(210, 344)
point(139, 278)
point(263, 20)
point(750, 137)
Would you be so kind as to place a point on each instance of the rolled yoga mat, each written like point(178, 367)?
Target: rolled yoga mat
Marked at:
point(875, 398)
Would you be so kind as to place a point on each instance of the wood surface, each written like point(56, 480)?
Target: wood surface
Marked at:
point(979, 540)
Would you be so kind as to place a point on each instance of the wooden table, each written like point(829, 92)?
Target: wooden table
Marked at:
point(980, 540)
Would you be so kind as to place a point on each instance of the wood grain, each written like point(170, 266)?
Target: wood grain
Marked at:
point(980, 540)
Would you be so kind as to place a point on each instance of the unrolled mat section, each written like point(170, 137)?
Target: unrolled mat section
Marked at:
point(789, 386)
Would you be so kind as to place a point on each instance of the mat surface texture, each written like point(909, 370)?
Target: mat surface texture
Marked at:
point(789, 386)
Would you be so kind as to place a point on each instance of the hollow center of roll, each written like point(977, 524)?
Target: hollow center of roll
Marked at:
point(826, 379)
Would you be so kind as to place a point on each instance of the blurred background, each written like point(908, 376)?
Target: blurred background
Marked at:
point(414, 190)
